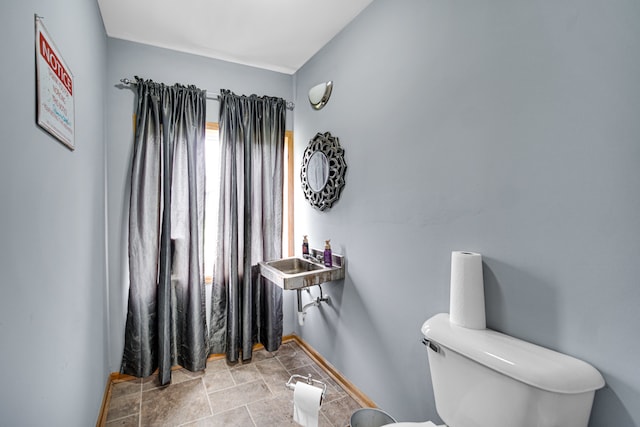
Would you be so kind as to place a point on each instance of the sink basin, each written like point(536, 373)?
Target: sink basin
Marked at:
point(294, 265)
point(297, 273)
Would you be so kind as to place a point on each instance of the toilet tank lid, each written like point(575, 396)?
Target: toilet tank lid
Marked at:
point(523, 361)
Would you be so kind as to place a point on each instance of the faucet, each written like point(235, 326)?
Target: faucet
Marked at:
point(318, 258)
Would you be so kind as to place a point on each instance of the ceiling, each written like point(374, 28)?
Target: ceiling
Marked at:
point(278, 35)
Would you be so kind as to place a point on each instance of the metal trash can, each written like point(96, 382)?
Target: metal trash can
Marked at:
point(370, 417)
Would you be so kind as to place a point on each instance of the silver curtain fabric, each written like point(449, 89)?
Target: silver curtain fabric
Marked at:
point(246, 309)
point(166, 320)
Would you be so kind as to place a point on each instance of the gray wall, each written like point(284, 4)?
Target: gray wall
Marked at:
point(127, 59)
point(509, 128)
point(52, 315)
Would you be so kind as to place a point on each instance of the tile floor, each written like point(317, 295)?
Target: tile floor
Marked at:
point(249, 394)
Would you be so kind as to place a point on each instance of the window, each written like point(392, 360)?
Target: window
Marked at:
point(212, 192)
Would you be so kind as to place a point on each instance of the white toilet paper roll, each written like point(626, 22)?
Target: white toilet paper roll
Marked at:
point(466, 306)
point(306, 404)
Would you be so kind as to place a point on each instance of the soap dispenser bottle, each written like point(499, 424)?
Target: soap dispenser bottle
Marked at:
point(305, 247)
point(327, 254)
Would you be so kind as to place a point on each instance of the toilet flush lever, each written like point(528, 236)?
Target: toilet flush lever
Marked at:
point(433, 346)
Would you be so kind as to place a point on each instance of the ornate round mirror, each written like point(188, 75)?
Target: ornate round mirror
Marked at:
point(323, 169)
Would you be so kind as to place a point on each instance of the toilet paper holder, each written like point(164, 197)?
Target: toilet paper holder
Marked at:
point(292, 385)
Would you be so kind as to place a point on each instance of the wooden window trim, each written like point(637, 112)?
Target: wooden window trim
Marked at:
point(288, 140)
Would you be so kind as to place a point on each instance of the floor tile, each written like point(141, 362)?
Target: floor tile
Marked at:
point(276, 381)
point(123, 406)
point(126, 387)
point(218, 380)
point(239, 395)
point(216, 365)
point(287, 349)
point(182, 375)
point(130, 421)
point(174, 405)
point(274, 412)
point(324, 422)
point(338, 412)
point(274, 375)
point(268, 365)
point(262, 355)
point(245, 374)
point(296, 360)
point(237, 417)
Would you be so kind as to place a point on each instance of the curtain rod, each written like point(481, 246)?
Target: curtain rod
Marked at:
point(210, 95)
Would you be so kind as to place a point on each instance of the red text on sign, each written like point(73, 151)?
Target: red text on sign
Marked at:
point(55, 64)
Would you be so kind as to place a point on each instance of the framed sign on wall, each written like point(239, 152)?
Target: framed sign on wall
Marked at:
point(54, 91)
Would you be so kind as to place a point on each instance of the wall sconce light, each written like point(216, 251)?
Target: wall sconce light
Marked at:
point(319, 95)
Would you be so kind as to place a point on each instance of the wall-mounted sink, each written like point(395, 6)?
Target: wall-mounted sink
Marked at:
point(297, 273)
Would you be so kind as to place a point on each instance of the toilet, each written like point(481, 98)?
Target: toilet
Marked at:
point(483, 378)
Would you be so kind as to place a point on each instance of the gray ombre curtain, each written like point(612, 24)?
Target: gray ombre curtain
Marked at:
point(166, 320)
point(246, 309)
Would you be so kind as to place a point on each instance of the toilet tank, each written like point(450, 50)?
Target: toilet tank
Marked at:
point(482, 378)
